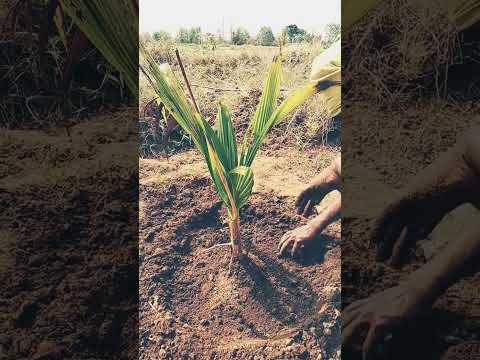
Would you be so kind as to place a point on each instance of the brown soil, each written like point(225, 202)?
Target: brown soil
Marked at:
point(450, 331)
point(404, 144)
point(268, 308)
point(68, 242)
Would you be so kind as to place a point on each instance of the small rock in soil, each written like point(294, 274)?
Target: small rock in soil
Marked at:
point(5, 339)
point(26, 315)
point(204, 322)
point(297, 337)
point(150, 237)
point(163, 354)
point(24, 345)
point(292, 317)
point(37, 260)
point(47, 350)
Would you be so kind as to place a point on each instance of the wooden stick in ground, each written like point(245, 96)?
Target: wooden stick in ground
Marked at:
point(186, 80)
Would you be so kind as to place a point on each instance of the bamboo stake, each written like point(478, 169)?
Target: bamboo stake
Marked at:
point(186, 80)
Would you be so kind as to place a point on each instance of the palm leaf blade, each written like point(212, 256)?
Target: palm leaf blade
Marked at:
point(108, 26)
point(242, 178)
point(226, 137)
point(288, 105)
point(265, 108)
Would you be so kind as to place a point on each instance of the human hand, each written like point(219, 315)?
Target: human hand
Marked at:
point(295, 238)
point(400, 225)
point(381, 315)
point(309, 197)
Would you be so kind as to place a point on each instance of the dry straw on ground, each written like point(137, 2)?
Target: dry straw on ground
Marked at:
point(397, 54)
point(235, 74)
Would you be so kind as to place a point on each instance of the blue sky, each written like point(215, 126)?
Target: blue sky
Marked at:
point(212, 15)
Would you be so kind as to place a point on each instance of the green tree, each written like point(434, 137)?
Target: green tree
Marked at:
point(182, 36)
point(240, 36)
point(331, 34)
point(294, 34)
point(195, 35)
point(265, 37)
point(162, 36)
point(189, 36)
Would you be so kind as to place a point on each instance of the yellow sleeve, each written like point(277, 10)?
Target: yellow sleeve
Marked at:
point(328, 66)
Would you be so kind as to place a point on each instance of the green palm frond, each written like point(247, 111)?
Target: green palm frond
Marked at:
point(108, 25)
point(215, 145)
point(268, 114)
point(167, 87)
point(242, 177)
point(59, 23)
point(265, 108)
point(268, 100)
point(226, 136)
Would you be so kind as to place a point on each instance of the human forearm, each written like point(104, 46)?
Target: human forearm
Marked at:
point(453, 179)
point(457, 260)
point(330, 177)
point(448, 182)
point(327, 181)
point(330, 214)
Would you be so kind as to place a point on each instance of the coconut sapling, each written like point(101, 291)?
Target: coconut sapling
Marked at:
point(229, 165)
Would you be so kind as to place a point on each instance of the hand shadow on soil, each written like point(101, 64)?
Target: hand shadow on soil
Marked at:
point(314, 251)
point(278, 290)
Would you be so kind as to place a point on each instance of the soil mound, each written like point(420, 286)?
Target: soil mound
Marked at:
point(267, 308)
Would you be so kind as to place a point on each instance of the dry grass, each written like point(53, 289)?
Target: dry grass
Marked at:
point(397, 54)
point(396, 84)
point(235, 76)
point(30, 93)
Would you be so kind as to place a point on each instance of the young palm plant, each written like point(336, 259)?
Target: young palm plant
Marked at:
point(108, 26)
point(229, 165)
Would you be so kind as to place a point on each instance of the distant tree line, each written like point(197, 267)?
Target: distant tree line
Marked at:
point(240, 36)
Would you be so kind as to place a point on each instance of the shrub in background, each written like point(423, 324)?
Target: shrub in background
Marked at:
point(265, 37)
point(240, 36)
